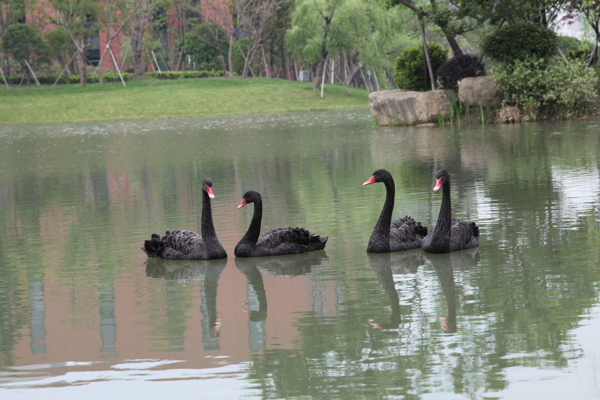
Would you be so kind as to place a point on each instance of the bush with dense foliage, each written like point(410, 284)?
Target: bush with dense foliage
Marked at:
point(184, 74)
point(563, 88)
point(22, 41)
point(580, 54)
point(457, 68)
point(202, 55)
point(411, 70)
point(518, 42)
point(71, 79)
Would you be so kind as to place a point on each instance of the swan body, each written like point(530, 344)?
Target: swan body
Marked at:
point(449, 234)
point(402, 234)
point(187, 245)
point(279, 241)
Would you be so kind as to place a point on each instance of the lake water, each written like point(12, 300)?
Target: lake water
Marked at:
point(84, 315)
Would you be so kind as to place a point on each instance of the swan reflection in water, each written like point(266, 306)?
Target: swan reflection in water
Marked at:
point(388, 264)
point(444, 266)
point(385, 265)
point(256, 307)
point(207, 272)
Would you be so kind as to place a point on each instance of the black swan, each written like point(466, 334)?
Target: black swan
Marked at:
point(275, 242)
point(186, 245)
point(449, 234)
point(401, 234)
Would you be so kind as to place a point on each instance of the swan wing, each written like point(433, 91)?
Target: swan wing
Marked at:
point(278, 236)
point(406, 233)
point(465, 235)
point(175, 245)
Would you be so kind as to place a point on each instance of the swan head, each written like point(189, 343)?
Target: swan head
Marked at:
point(378, 176)
point(207, 187)
point(250, 196)
point(442, 177)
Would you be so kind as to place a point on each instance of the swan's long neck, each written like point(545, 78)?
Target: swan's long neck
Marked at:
point(254, 229)
point(381, 232)
point(207, 228)
point(444, 222)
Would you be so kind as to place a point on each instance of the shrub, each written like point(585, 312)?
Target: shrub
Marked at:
point(580, 54)
point(518, 42)
point(183, 74)
point(203, 56)
point(563, 88)
point(411, 68)
point(457, 68)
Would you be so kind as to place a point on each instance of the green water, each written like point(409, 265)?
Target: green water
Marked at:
point(83, 314)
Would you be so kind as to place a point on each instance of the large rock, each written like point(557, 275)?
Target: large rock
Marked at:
point(403, 107)
point(479, 91)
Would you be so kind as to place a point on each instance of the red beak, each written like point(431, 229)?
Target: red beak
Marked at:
point(371, 180)
point(243, 203)
point(210, 192)
point(438, 184)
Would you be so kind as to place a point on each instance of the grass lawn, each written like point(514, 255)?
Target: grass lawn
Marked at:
point(170, 99)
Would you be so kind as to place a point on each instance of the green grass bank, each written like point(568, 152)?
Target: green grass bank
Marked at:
point(170, 99)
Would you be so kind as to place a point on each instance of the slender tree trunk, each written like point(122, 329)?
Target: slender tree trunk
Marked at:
point(137, 45)
point(353, 74)
point(426, 53)
point(230, 55)
point(82, 68)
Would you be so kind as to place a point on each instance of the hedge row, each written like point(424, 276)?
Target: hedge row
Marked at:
point(184, 74)
point(50, 79)
point(114, 77)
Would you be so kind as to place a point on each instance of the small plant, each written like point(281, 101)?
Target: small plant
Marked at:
point(440, 119)
point(468, 110)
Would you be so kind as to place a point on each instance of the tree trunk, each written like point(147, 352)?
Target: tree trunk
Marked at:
point(352, 74)
point(82, 68)
point(137, 44)
point(449, 37)
point(230, 55)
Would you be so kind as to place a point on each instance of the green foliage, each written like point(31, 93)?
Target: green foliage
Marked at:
point(61, 45)
point(203, 55)
point(359, 29)
point(71, 79)
point(237, 59)
point(564, 88)
point(411, 68)
point(184, 74)
point(518, 42)
point(580, 54)
point(568, 43)
point(22, 40)
point(457, 68)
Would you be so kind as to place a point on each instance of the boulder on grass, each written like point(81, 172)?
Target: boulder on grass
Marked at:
point(403, 107)
point(479, 91)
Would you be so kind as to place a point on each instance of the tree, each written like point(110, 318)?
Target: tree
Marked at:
point(252, 21)
point(80, 18)
point(321, 29)
point(206, 54)
point(113, 17)
point(11, 12)
point(24, 43)
point(440, 16)
point(142, 11)
point(591, 11)
point(61, 46)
